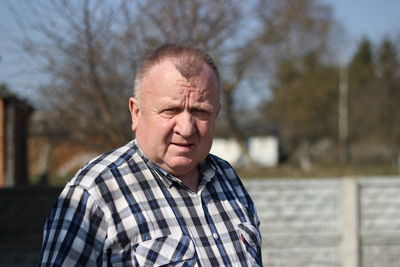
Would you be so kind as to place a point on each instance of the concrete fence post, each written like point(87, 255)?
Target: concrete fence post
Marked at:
point(350, 245)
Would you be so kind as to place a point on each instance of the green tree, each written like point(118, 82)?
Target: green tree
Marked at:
point(289, 32)
point(304, 105)
point(388, 66)
point(363, 93)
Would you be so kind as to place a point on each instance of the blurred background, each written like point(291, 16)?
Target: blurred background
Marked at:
point(310, 119)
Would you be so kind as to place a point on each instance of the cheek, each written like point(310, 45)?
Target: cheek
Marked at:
point(154, 136)
point(163, 129)
point(205, 129)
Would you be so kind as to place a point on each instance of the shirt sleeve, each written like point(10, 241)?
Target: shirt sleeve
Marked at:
point(75, 231)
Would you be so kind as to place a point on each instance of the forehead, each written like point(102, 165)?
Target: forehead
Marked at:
point(165, 75)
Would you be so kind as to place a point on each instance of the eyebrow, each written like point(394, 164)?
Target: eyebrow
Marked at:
point(200, 106)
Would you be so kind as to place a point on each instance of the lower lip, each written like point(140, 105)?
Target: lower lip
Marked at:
point(183, 147)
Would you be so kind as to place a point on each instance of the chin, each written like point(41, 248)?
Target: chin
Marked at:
point(183, 166)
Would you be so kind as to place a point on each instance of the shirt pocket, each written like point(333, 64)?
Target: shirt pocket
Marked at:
point(171, 250)
point(250, 237)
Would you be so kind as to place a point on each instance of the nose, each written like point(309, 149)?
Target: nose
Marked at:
point(185, 124)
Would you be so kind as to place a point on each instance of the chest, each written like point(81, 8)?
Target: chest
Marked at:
point(176, 224)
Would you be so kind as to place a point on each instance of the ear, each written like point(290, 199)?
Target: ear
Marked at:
point(135, 112)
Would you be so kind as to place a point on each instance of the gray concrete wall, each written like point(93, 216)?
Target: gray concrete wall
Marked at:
point(329, 222)
point(380, 222)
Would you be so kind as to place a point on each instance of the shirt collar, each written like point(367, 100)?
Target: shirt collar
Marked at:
point(207, 172)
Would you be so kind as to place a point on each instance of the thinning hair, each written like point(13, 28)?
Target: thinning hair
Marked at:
point(188, 60)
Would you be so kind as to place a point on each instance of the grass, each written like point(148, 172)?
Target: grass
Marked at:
point(321, 170)
point(52, 180)
point(282, 171)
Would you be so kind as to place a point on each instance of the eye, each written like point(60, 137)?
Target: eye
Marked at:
point(170, 111)
point(201, 113)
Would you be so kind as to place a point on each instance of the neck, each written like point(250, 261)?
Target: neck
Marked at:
point(191, 180)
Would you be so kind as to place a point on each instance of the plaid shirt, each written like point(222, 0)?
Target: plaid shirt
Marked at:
point(122, 210)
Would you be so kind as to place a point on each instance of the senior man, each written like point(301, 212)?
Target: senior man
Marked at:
point(162, 199)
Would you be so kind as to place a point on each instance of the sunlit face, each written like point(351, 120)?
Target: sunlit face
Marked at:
point(174, 117)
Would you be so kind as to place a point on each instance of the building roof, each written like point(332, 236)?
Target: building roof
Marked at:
point(11, 97)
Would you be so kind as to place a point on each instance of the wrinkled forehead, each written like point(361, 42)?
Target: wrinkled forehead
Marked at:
point(202, 85)
point(166, 87)
point(185, 75)
point(198, 89)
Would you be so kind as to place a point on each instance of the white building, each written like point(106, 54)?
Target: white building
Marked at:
point(263, 150)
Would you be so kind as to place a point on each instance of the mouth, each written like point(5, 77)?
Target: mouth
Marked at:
point(185, 146)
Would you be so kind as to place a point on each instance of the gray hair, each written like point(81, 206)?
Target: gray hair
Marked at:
point(189, 62)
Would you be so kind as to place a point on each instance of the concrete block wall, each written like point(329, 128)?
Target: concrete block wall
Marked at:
point(380, 222)
point(329, 222)
point(300, 221)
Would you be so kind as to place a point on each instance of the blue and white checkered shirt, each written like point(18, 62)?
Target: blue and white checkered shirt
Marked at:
point(122, 210)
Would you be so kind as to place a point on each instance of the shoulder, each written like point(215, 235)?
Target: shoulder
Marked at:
point(98, 169)
point(228, 175)
point(220, 163)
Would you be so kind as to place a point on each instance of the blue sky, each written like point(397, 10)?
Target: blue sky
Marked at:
point(371, 18)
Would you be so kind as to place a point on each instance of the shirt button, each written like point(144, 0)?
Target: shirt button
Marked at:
point(215, 236)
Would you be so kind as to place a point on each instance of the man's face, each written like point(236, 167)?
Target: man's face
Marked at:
point(174, 117)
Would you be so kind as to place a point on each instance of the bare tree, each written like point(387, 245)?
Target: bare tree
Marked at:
point(90, 49)
point(88, 72)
